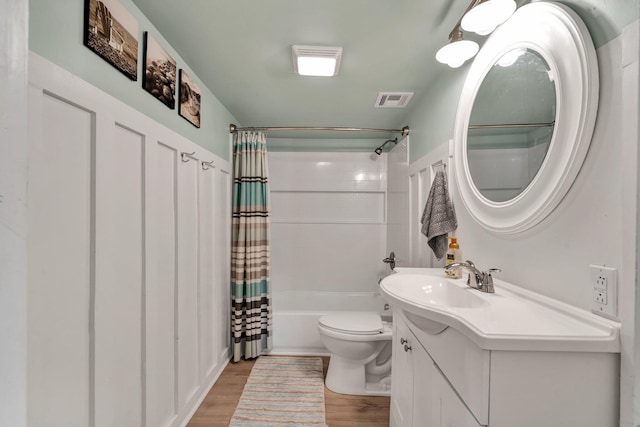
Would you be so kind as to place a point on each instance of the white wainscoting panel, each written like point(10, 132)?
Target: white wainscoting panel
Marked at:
point(188, 310)
point(425, 177)
point(206, 288)
point(222, 211)
point(398, 216)
point(421, 174)
point(119, 275)
point(414, 230)
point(161, 319)
point(59, 243)
point(128, 263)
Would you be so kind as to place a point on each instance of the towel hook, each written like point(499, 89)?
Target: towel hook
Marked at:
point(205, 164)
point(437, 164)
point(187, 156)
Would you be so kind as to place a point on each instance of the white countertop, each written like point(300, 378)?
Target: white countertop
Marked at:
point(512, 318)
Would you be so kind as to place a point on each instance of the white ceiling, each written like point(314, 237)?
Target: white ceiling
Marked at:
point(241, 50)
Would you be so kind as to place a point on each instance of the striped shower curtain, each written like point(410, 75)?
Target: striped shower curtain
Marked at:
point(250, 254)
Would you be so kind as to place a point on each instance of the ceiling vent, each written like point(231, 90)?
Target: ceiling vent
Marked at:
point(393, 99)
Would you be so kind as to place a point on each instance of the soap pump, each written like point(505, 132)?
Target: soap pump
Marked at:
point(454, 254)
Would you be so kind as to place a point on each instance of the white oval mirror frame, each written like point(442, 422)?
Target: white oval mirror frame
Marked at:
point(562, 39)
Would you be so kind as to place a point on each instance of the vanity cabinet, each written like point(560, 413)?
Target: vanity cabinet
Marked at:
point(421, 395)
point(403, 372)
point(443, 379)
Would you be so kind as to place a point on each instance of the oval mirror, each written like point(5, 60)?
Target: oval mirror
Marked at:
point(525, 118)
point(511, 124)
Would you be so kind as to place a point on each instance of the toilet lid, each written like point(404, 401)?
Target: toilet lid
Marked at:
point(357, 322)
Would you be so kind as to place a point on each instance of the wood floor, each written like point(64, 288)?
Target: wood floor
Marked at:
point(341, 410)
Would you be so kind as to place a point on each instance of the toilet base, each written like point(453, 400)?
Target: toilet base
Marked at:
point(346, 376)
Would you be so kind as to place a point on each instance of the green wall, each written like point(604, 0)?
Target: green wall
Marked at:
point(432, 119)
point(328, 144)
point(56, 33)
point(605, 18)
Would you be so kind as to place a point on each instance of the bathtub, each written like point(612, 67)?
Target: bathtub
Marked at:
point(296, 314)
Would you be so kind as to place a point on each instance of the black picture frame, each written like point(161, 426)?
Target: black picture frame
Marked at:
point(190, 99)
point(159, 75)
point(111, 32)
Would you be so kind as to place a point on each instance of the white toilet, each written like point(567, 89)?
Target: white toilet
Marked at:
point(360, 347)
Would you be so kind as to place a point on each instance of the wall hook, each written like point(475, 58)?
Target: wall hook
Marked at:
point(188, 156)
point(205, 164)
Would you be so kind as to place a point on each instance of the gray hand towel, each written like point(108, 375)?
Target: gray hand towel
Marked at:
point(439, 216)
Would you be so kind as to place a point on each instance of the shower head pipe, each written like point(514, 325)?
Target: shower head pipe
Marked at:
point(378, 150)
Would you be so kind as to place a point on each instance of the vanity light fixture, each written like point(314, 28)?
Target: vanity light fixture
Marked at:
point(316, 60)
point(458, 51)
point(484, 17)
point(481, 17)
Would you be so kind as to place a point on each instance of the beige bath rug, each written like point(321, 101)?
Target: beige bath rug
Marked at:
point(282, 391)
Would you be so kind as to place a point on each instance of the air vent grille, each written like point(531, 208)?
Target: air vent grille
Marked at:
point(319, 51)
point(393, 99)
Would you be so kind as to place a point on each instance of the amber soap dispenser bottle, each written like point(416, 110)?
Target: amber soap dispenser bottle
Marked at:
point(454, 254)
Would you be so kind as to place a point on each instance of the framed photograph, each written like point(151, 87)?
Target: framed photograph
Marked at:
point(190, 94)
point(159, 76)
point(112, 32)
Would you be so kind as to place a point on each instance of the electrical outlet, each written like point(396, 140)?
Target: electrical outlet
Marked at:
point(604, 290)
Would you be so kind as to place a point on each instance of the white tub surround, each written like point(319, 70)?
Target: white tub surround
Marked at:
point(500, 359)
point(296, 314)
point(328, 229)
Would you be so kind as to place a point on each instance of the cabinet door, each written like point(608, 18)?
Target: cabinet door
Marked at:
point(452, 412)
point(425, 402)
point(420, 394)
point(402, 369)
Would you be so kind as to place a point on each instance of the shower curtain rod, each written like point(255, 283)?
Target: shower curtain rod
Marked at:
point(404, 131)
point(513, 125)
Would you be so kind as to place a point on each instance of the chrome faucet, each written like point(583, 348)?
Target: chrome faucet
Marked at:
point(483, 281)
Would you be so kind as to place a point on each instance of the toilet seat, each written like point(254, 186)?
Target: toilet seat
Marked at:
point(356, 323)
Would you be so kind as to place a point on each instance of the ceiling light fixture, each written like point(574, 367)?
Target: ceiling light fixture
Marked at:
point(481, 17)
point(316, 60)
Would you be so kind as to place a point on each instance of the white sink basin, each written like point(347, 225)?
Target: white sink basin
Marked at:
point(424, 289)
point(512, 318)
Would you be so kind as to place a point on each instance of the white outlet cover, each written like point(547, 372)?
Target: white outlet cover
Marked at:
point(604, 280)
